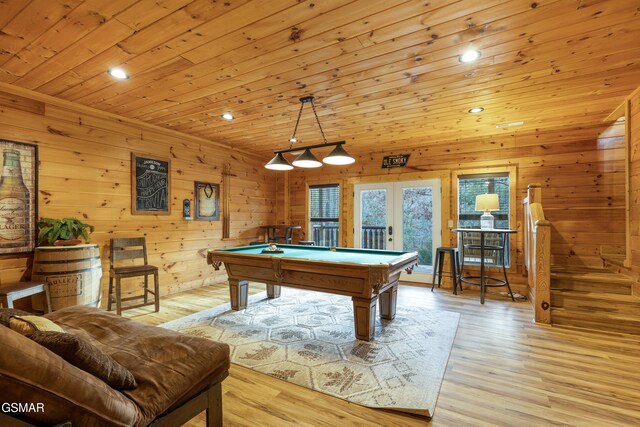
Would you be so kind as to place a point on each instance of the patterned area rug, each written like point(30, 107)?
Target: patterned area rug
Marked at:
point(307, 338)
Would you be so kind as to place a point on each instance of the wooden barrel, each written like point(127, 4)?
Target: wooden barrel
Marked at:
point(73, 274)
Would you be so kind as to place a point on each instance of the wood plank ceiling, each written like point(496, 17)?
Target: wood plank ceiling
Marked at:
point(385, 73)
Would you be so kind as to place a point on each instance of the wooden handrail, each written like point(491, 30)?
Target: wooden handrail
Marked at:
point(538, 253)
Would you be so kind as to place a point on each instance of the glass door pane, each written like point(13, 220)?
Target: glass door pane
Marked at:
point(417, 225)
point(373, 214)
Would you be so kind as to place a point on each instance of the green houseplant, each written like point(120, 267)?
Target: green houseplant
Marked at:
point(67, 230)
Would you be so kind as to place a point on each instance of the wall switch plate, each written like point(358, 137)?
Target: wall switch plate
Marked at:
point(450, 223)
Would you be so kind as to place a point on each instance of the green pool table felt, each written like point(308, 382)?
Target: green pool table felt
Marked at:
point(322, 253)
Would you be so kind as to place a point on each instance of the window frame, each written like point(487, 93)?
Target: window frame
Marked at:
point(308, 219)
point(514, 239)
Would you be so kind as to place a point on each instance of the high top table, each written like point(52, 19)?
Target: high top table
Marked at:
point(272, 236)
point(484, 281)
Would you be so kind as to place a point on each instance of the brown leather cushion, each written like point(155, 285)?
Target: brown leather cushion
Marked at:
point(29, 373)
point(6, 313)
point(87, 357)
point(170, 367)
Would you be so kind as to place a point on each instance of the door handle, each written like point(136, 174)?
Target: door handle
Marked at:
point(390, 231)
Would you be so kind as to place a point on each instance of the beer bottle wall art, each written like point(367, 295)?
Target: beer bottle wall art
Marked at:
point(15, 224)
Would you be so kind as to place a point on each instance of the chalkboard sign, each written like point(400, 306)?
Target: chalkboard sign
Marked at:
point(150, 185)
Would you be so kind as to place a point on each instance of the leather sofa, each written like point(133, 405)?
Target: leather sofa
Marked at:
point(178, 376)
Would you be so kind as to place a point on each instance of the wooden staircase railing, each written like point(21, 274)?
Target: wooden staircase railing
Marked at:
point(537, 253)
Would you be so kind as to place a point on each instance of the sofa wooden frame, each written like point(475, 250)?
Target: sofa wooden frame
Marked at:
point(209, 400)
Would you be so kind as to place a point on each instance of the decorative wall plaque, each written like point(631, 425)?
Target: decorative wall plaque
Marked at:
point(150, 185)
point(398, 161)
point(207, 201)
point(18, 196)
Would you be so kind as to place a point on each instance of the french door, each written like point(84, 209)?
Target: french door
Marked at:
point(403, 216)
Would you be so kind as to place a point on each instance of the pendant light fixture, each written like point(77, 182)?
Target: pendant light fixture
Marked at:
point(307, 159)
point(338, 157)
point(279, 163)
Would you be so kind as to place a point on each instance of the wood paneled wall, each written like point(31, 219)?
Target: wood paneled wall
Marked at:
point(581, 171)
point(633, 127)
point(85, 171)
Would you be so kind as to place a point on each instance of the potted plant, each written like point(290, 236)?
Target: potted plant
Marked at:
point(62, 232)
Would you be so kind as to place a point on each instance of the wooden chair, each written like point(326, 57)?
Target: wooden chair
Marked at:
point(132, 249)
point(471, 253)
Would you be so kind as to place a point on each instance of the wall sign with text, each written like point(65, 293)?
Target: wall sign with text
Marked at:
point(398, 161)
point(150, 185)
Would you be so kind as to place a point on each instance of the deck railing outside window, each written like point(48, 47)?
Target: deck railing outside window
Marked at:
point(373, 237)
point(326, 234)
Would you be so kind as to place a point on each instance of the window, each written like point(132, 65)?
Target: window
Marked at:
point(324, 214)
point(469, 186)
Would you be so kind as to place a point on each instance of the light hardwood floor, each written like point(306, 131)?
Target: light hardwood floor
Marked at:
point(504, 370)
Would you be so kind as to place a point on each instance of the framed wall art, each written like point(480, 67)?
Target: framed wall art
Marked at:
point(18, 197)
point(150, 185)
point(207, 201)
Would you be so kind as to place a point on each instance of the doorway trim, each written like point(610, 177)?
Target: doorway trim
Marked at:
point(445, 197)
point(395, 218)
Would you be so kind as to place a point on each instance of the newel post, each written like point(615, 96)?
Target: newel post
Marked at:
point(542, 290)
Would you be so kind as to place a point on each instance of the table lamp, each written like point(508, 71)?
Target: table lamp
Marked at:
point(487, 203)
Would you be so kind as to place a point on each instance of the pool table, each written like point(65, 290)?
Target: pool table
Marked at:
point(366, 275)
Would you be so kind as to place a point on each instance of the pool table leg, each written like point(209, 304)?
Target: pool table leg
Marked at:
point(239, 292)
point(273, 291)
point(364, 316)
point(388, 302)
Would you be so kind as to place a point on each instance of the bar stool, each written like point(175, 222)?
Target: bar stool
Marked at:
point(438, 264)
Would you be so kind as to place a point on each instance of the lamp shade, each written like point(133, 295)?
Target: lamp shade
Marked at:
point(487, 202)
point(338, 156)
point(307, 160)
point(279, 163)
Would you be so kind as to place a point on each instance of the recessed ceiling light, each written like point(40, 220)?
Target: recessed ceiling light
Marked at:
point(507, 125)
point(469, 56)
point(227, 116)
point(118, 73)
point(476, 110)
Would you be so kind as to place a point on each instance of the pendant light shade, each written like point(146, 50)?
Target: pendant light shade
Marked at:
point(307, 160)
point(279, 163)
point(339, 156)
